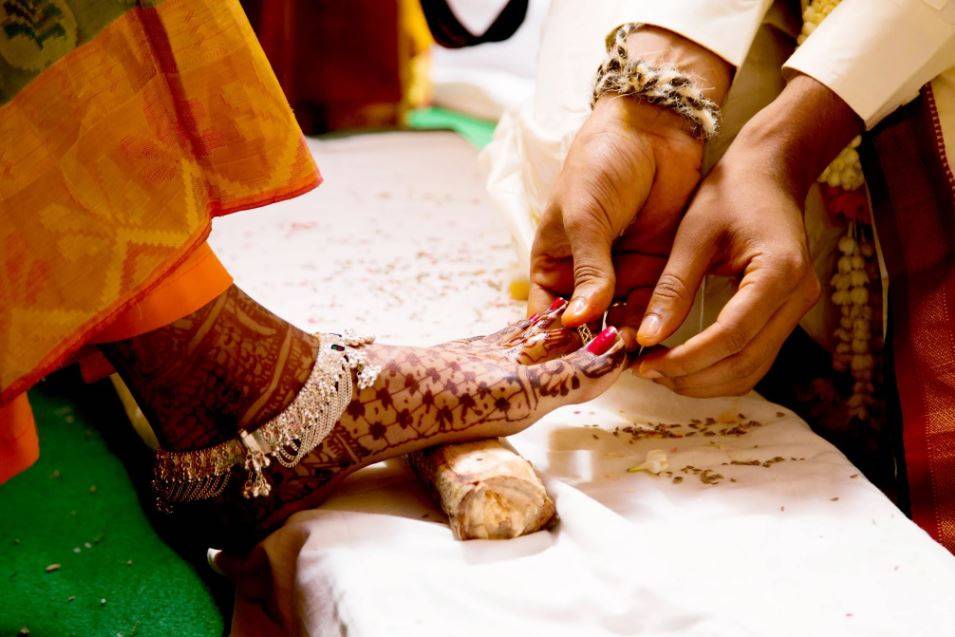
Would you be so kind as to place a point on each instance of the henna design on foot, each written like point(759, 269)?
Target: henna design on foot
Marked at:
point(233, 364)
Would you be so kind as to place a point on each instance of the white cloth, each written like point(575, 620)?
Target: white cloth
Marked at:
point(877, 54)
point(874, 54)
point(401, 240)
point(484, 81)
point(726, 27)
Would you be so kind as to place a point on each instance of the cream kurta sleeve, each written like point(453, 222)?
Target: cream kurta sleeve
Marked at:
point(876, 54)
point(726, 27)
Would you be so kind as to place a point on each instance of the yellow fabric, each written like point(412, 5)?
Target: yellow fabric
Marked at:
point(416, 44)
point(115, 158)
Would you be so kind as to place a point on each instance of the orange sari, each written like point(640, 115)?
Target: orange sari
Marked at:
point(125, 127)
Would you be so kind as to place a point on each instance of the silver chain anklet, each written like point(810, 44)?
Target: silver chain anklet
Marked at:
point(660, 85)
point(184, 476)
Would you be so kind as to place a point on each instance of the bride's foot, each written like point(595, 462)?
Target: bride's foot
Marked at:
point(473, 388)
point(228, 366)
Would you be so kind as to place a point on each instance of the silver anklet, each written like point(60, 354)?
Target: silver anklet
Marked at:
point(183, 476)
point(661, 85)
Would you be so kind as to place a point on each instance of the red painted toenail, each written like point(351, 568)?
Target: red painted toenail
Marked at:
point(603, 341)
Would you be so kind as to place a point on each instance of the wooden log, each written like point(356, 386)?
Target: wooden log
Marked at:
point(487, 489)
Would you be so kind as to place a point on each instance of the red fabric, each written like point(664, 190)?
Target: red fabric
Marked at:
point(19, 446)
point(850, 205)
point(913, 194)
point(339, 63)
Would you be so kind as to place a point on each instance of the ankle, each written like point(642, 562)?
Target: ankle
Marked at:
point(230, 366)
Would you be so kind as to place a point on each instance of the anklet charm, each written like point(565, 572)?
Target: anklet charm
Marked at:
point(183, 476)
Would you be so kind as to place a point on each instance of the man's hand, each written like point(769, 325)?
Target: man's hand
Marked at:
point(625, 181)
point(747, 221)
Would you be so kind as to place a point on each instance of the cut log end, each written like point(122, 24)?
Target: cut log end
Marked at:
point(486, 488)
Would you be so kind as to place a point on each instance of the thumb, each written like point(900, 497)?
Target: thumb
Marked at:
point(594, 280)
point(676, 288)
point(226, 563)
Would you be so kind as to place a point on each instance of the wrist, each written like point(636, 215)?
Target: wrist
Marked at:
point(661, 47)
point(798, 134)
point(637, 116)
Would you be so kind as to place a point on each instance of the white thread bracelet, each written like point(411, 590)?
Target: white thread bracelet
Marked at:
point(660, 85)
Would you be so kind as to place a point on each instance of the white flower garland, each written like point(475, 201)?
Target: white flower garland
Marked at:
point(850, 283)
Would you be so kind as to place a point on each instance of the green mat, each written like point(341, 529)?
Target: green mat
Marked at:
point(77, 554)
point(476, 131)
point(77, 508)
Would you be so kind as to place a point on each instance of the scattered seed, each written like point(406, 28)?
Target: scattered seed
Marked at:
point(24, 631)
point(732, 479)
point(780, 414)
point(834, 498)
point(595, 436)
point(854, 475)
point(87, 545)
point(92, 488)
point(130, 562)
point(677, 479)
point(76, 549)
point(71, 598)
point(102, 601)
point(52, 567)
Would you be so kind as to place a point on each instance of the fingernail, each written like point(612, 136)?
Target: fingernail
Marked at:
point(650, 327)
point(577, 306)
point(603, 341)
point(212, 556)
point(649, 373)
point(558, 303)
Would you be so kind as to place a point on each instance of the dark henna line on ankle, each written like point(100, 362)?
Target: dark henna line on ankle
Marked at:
point(228, 365)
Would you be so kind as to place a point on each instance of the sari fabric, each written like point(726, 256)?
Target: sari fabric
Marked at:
point(913, 193)
point(124, 128)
